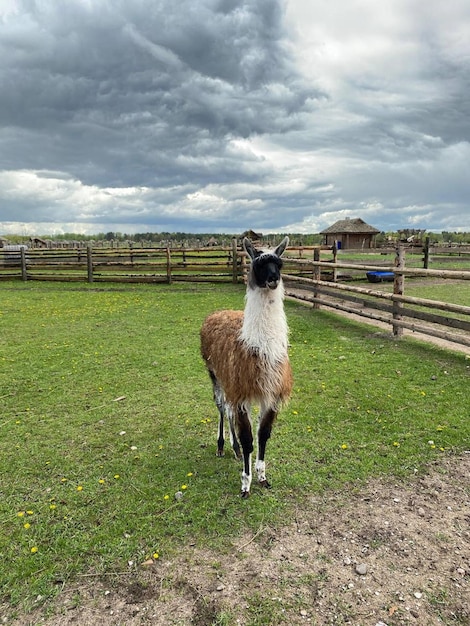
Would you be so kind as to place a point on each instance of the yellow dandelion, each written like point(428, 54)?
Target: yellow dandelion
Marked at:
point(30, 512)
point(166, 497)
point(155, 555)
point(189, 474)
point(344, 446)
point(20, 514)
point(101, 481)
point(52, 507)
point(34, 549)
point(183, 487)
point(396, 444)
point(27, 525)
point(116, 476)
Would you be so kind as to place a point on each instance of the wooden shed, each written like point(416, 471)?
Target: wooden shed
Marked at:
point(37, 242)
point(350, 234)
point(254, 237)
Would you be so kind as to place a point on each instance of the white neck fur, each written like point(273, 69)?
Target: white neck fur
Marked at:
point(264, 324)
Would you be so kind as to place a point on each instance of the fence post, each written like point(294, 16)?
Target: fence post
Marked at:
point(234, 261)
point(316, 276)
point(24, 273)
point(335, 259)
point(89, 263)
point(426, 253)
point(398, 289)
point(168, 265)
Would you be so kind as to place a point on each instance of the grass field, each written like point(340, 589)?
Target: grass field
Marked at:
point(106, 413)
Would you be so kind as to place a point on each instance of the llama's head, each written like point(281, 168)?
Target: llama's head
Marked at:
point(265, 265)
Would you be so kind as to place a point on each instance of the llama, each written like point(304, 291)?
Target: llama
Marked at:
point(246, 356)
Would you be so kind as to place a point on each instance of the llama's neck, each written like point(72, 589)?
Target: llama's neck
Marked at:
point(264, 323)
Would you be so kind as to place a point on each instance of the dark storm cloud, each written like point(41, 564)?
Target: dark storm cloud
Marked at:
point(220, 115)
point(117, 93)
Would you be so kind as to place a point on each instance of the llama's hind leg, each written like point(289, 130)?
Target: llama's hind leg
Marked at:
point(245, 436)
point(266, 420)
point(219, 399)
point(233, 434)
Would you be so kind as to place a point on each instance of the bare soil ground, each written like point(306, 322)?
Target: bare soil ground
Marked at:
point(386, 553)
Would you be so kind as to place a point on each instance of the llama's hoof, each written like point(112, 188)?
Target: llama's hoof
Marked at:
point(245, 494)
point(264, 483)
point(220, 452)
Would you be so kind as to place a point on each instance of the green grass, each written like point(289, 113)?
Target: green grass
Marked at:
point(106, 412)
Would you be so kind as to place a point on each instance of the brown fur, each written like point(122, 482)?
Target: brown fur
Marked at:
point(244, 376)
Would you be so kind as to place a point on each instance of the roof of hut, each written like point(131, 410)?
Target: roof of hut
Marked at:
point(351, 226)
point(252, 235)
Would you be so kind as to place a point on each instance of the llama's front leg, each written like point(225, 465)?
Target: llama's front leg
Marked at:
point(245, 436)
point(266, 419)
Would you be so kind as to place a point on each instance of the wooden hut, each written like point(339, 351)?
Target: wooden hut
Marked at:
point(37, 242)
point(350, 234)
point(254, 237)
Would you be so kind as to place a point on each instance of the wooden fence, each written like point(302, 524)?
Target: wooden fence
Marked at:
point(148, 265)
point(151, 265)
point(394, 308)
point(326, 282)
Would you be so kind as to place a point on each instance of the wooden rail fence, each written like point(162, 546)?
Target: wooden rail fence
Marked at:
point(308, 277)
point(152, 265)
point(397, 309)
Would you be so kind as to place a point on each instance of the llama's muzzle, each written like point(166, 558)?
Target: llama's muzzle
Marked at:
point(272, 284)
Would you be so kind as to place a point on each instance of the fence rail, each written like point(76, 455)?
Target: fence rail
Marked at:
point(308, 277)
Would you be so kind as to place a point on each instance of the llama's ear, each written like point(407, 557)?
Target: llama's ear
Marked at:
point(279, 251)
point(249, 248)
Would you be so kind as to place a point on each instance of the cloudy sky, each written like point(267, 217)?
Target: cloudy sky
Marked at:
point(224, 115)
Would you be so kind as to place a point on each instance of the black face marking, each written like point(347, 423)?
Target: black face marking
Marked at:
point(266, 270)
point(266, 267)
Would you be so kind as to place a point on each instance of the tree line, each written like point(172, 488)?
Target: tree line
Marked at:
point(300, 239)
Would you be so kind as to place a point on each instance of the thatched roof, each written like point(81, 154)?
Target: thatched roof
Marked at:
point(351, 226)
point(252, 235)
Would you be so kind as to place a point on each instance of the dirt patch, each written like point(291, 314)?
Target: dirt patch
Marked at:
point(386, 553)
